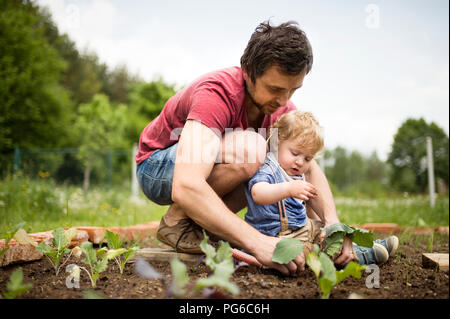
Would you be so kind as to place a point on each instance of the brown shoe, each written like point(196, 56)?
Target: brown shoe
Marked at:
point(184, 237)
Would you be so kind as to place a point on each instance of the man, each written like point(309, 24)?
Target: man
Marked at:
point(201, 173)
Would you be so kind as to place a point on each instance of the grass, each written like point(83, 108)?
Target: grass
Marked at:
point(45, 205)
point(412, 211)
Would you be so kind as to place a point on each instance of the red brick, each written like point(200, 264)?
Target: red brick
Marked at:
point(385, 228)
point(443, 230)
point(96, 234)
point(18, 252)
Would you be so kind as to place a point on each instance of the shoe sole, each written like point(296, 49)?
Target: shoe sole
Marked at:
point(384, 250)
point(195, 251)
point(395, 246)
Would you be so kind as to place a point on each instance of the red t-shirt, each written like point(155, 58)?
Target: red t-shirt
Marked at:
point(215, 99)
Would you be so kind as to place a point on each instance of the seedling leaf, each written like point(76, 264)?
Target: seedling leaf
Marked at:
point(352, 269)
point(286, 250)
point(312, 260)
point(22, 237)
point(180, 278)
point(217, 280)
point(15, 286)
point(209, 251)
point(113, 240)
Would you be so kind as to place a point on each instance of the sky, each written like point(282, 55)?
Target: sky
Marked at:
point(376, 63)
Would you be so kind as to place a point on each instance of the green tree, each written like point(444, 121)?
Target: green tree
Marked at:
point(32, 102)
point(118, 83)
point(146, 101)
point(99, 127)
point(408, 155)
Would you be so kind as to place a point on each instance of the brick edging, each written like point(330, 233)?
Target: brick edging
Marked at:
point(22, 253)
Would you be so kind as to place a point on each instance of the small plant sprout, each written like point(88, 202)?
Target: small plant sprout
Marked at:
point(180, 278)
point(322, 266)
point(220, 262)
point(430, 243)
point(114, 242)
point(54, 253)
point(15, 286)
point(97, 260)
point(327, 275)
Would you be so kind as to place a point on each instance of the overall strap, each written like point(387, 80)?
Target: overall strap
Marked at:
point(281, 208)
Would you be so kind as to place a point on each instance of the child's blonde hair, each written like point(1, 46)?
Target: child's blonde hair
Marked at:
point(303, 127)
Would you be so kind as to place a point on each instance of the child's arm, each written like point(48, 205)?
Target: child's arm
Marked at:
point(264, 193)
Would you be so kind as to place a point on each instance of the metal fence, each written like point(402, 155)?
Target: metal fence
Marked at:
point(112, 166)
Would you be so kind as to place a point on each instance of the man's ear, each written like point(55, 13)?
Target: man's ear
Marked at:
point(245, 75)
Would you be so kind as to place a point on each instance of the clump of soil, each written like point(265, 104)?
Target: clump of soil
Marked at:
point(402, 277)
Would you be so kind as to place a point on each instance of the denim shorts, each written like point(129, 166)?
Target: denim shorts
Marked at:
point(155, 175)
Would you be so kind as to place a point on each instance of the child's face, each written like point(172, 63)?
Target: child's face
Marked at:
point(294, 160)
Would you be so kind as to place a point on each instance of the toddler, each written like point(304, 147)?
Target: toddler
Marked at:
point(276, 194)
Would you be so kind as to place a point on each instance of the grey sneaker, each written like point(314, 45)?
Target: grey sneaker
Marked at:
point(378, 254)
point(184, 237)
point(390, 243)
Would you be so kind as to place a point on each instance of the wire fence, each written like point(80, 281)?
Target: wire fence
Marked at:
point(110, 167)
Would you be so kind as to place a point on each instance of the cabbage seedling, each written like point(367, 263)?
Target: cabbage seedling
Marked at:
point(327, 275)
point(220, 262)
point(15, 286)
point(322, 266)
point(97, 260)
point(113, 241)
point(54, 253)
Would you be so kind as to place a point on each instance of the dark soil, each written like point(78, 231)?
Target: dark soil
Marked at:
point(402, 277)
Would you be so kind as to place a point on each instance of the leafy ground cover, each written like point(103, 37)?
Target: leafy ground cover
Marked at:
point(402, 277)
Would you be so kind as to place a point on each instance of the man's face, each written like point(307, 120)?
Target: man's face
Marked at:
point(272, 89)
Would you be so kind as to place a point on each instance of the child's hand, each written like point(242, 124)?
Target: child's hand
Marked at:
point(302, 190)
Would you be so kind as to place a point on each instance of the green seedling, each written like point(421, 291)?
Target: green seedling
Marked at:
point(327, 275)
point(220, 262)
point(54, 253)
point(114, 242)
point(10, 235)
point(430, 243)
point(322, 266)
point(15, 286)
point(97, 260)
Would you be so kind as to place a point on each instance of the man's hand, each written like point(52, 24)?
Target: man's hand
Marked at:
point(346, 254)
point(265, 252)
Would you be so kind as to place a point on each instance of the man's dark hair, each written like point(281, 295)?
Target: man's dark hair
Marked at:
point(285, 45)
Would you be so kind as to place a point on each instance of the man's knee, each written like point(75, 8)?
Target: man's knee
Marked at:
point(247, 149)
point(243, 147)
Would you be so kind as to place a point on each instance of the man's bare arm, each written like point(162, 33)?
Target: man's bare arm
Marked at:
point(197, 151)
point(323, 205)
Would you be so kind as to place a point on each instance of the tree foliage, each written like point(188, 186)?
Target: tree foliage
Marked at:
point(408, 155)
point(45, 81)
point(353, 173)
point(99, 127)
point(32, 101)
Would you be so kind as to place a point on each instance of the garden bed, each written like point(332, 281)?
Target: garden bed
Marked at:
point(402, 277)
